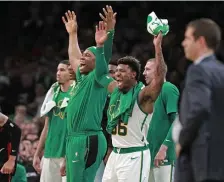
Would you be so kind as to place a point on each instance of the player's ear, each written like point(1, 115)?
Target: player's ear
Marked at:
point(133, 75)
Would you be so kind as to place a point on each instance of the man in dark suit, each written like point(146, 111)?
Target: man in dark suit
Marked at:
point(201, 139)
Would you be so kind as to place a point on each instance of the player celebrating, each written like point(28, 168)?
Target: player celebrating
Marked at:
point(86, 144)
point(129, 113)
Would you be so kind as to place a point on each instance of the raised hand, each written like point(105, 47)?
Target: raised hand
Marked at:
point(157, 41)
point(101, 34)
point(70, 22)
point(109, 17)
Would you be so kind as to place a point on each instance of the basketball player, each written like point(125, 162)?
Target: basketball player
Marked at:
point(161, 145)
point(86, 144)
point(53, 136)
point(129, 114)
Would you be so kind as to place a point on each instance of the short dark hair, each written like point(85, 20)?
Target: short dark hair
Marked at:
point(165, 67)
point(113, 62)
point(65, 62)
point(133, 63)
point(208, 29)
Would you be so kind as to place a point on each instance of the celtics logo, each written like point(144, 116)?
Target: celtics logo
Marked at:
point(57, 111)
point(114, 109)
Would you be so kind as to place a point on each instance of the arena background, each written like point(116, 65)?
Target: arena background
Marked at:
point(33, 41)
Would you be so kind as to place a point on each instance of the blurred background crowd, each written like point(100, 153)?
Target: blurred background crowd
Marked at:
point(34, 39)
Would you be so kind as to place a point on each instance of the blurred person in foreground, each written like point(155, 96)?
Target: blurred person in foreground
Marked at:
point(201, 138)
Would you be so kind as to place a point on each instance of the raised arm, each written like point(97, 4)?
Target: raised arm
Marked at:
point(101, 70)
point(74, 52)
point(110, 19)
point(150, 93)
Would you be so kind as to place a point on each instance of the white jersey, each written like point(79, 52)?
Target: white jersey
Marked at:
point(133, 134)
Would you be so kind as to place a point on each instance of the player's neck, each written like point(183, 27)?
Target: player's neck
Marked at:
point(65, 86)
point(131, 86)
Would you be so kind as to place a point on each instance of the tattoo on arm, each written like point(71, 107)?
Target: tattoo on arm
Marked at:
point(159, 77)
point(152, 91)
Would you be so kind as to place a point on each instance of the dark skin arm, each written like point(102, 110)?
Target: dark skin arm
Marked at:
point(74, 52)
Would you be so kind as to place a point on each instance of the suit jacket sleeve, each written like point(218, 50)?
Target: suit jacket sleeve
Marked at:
point(197, 95)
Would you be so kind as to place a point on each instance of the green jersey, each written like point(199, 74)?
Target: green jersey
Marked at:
point(85, 109)
point(56, 136)
point(160, 127)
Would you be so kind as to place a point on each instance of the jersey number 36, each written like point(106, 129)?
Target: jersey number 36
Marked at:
point(120, 129)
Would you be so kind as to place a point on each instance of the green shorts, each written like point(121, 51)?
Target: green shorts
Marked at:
point(84, 154)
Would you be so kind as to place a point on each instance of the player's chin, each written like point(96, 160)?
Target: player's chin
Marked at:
point(59, 82)
point(120, 87)
point(83, 70)
point(146, 81)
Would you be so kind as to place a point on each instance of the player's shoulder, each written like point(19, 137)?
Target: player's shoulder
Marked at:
point(54, 86)
point(169, 87)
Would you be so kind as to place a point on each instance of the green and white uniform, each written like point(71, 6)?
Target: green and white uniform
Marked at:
point(160, 132)
point(130, 156)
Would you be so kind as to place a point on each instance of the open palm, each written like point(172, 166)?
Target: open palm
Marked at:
point(101, 33)
point(109, 17)
point(70, 23)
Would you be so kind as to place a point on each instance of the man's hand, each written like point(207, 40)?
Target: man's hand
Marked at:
point(70, 23)
point(160, 156)
point(36, 163)
point(63, 168)
point(157, 41)
point(101, 34)
point(109, 17)
point(178, 149)
point(9, 166)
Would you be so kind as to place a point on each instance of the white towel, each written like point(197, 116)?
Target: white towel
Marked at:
point(156, 25)
point(48, 103)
